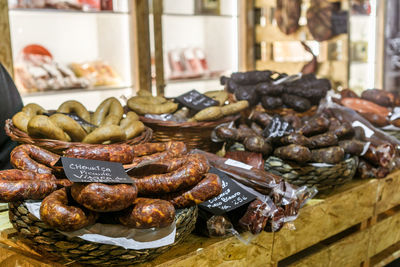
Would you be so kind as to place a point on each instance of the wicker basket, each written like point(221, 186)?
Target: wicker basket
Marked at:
point(322, 177)
point(58, 146)
point(193, 134)
point(395, 134)
point(60, 248)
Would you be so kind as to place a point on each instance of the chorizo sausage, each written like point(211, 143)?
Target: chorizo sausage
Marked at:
point(157, 167)
point(116, 153)
point(172, 150)
point(331, 155)
point(104, 197)
point(25, 189)
point(206, 189)
point(184, 177)
point(33, 158)
point(19, 175)
point(148, 213)
point(296, 153)
point(324, 140)
point(364, 106)
point(56, 210)
point(151, 148)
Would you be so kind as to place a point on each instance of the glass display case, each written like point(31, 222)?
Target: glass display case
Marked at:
point(62, 52)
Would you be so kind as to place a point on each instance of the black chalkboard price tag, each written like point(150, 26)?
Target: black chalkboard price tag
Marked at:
point(94, 171)
point(196, 101)
point(232, 196)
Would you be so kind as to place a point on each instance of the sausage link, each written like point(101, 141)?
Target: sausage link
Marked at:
point(148, 213)
point(172, 150)
point(116, 153)
point(184, 177)
point(56, 212)
point(206, 189)
point(25, 189)
point(315, 126)
point(331, 155)
point(297, 153)
point(104, 197)
point(324, 140)
point(19, 175)
point(148, 148)
point(157, 167)
point(33, 158)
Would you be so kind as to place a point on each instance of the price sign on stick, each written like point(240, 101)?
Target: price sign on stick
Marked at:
point(196, 101)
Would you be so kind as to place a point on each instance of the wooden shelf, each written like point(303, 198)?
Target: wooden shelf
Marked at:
point(76, 90)
point(65, 11)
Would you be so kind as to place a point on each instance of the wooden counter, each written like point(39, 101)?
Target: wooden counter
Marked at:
point(355, 224)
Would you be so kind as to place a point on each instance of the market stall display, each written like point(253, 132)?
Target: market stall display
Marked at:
point(72, 124)
point(160, 193)
point(189, 118)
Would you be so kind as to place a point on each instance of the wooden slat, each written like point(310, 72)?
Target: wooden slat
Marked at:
point(388, 192)
point(5, 39)
point(202, 251)
point(141, 43)
point(386, 256)
point(352, 204)
point(246, 35)
point(158, 46)
point(349, 251)
point(384, 234)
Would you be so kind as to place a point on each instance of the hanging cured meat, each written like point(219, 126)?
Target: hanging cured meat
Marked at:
point(287, 15)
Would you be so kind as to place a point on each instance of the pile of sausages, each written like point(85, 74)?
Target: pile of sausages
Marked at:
point(164, 176)
point(320, 139)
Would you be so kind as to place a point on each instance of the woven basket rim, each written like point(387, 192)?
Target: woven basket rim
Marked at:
point(201, 124)
point(19, 136)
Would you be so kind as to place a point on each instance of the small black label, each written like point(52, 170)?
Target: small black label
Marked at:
point(94, 171)
point(232, 196)
point(196, 101)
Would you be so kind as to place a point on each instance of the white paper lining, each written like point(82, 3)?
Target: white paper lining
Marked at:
point(118, 235)
point(367, 131)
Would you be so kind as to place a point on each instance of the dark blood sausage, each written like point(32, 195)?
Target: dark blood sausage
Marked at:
point(148, 213)
point(315, 126)
point(257, 128)
point(104, 197)
point(353, 147)
point(298, 103)
point(262, 118)
point(343, 130)
point(184, 177)
point(23, 190)
point(56, 210)
point(33, 158)
point(271, 102)
point(257, 144)
point(296, 139)
point(324, 140)
point(116, 153)
point(170, 150)
point(296, 153)
point(331, 155)
point(206, 189)
point(269, 89)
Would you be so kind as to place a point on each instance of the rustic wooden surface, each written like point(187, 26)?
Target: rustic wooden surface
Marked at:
point(388, 193)
point(326, 218)
point(140, 40)
point(5, 39)
point(318, 228)
point(349, 251)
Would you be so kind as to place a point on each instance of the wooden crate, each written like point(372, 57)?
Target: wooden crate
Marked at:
point(266, 33)
point(358, 223)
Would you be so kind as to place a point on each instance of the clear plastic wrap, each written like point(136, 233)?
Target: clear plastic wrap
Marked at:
point(277, 201)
